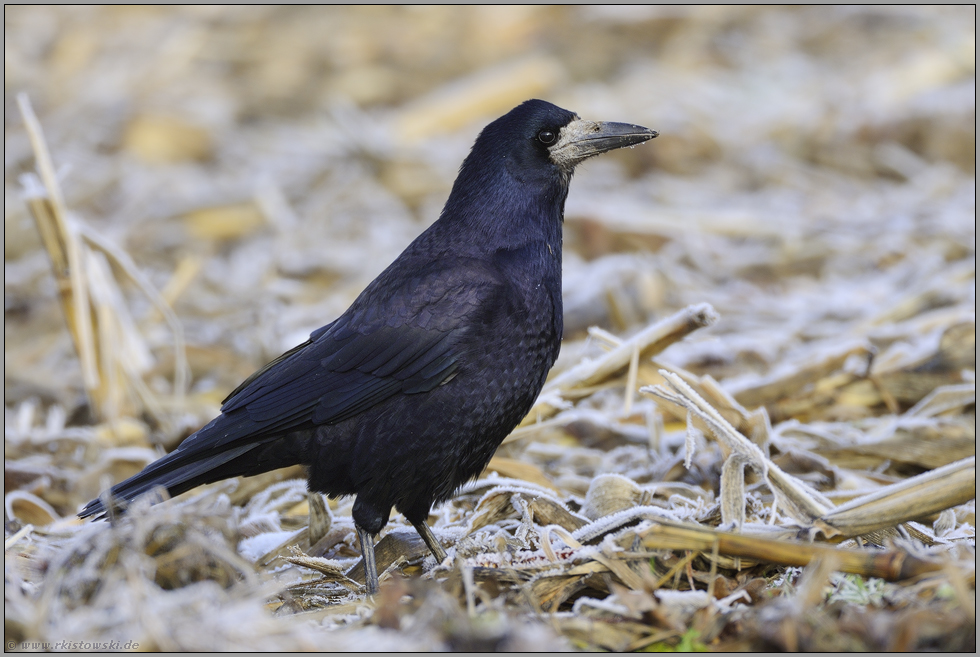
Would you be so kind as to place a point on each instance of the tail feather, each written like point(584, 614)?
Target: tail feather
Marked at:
point(210, 455)
point(177, 472)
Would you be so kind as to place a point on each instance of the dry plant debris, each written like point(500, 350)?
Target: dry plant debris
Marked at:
point(761, 433)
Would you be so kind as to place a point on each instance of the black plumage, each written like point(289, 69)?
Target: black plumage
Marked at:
point(407, 395)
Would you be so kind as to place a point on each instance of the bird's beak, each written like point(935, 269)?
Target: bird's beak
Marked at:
point(582, 139)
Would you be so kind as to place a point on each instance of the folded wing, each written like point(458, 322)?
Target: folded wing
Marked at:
point(405, 344)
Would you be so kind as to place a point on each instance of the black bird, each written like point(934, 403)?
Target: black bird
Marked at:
point(407, 395)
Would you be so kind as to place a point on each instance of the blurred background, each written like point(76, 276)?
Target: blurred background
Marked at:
point(253, 168)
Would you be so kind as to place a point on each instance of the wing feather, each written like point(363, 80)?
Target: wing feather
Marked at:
point(364, 357)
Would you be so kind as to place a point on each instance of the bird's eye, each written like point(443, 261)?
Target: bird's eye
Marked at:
point(547, 137)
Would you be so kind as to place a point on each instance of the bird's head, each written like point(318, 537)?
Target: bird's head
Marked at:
point(514, 182)
point(539, 138)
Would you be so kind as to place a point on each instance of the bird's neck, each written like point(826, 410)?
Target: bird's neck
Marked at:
point(504, 213)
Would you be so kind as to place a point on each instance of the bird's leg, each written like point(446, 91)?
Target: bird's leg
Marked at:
point(370, 566)
point(434, 546)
